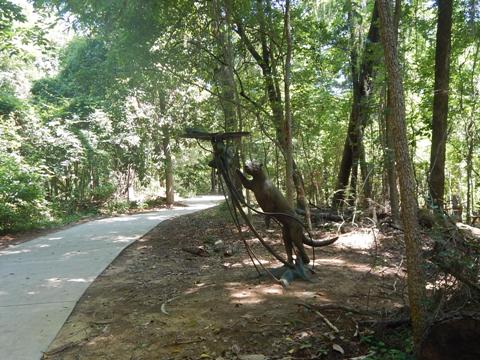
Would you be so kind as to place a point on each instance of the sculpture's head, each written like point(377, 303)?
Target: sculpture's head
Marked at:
point(253, 168)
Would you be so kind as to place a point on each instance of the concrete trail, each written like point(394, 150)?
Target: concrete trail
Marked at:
point(41, 280)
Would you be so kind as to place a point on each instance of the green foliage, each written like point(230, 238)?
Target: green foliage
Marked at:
point(117, 206)
point(22, 202)
point(102, 193)
point(9, 103)
point(10, 12)
point(380, 351)
point(93, 127)
point(193, 173)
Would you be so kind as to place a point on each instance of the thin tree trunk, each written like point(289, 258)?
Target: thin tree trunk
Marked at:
point(288, 110)
point(390, 162)
point(470, 139)
point(436, 178)
point(365, 170)
point(293, 174)
point(469, 160)
point(169, 188)
point(266, 61)
point(213, 181)
point(416, 279)
point(226, 81)
point(169, 193)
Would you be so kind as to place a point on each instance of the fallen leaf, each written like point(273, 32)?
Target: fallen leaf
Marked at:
point(252, 357)
point(338, 348)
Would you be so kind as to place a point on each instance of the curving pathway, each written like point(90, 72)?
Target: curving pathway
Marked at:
point(41, 280)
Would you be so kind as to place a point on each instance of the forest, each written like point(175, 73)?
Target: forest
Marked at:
point(363, 110)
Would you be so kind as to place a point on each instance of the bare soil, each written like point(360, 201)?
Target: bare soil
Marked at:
point(157, 301)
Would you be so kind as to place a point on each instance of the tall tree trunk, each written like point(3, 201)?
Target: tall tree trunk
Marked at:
point(213, 181)
point(416, 279)
point(345, 165)
point(361, 83)
point(240, 150)
point(266, 61)
point(390, 152)
point(288, 110)
point(390, 161)
point(348, 166)
point(471, 136)
point(358, 97)
point(129, 186)
point(169, 193)
point(293, 175)
point(225, 78)
point(436, 178)
point(165, 128)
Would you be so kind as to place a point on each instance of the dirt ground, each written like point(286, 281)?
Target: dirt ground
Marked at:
point(157, 301)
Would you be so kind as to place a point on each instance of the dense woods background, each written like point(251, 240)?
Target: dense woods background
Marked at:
point(92, 105)
point(367, 107)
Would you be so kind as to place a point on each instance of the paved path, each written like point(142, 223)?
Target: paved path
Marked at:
point(41, 280)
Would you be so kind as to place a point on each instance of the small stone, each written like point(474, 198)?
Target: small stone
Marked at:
point(230, 250)
point(218, 246)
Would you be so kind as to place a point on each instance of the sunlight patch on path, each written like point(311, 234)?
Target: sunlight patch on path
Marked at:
point(360, 240)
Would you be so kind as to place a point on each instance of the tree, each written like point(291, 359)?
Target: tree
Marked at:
point(267, 61)
point(416, 280)
point(362, 88)
point(225, 77)
point(289, 164)
point(390, 137)
point(436, 178)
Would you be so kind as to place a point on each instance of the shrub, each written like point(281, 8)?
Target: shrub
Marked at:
point(102, 193)
point(22, 202)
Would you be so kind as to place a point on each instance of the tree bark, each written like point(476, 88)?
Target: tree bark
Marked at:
point(225, 78)
point(169, 193)
point(471, 136)
point(288, 110)
point(390, 161)
point(416, 279)
point(167, 153)
point(266, 61)
point(390, 152)
point(436, 178)
point(362, 87)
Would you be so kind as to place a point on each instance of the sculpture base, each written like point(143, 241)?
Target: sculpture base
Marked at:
point(287, 275)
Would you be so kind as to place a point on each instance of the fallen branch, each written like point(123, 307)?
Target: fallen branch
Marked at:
point(196, 250)
point(192, 341)
point(162, 308)
point(62, 348)
point(392, 323)
point(337, 307)
point(362, 357)
point(323, 317)
point(471, 230)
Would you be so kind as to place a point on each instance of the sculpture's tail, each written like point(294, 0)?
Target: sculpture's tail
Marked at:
point(318, 243)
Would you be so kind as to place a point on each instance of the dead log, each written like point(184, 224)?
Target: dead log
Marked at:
point(454, 338)
point(196, 250)
point(471, 231)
